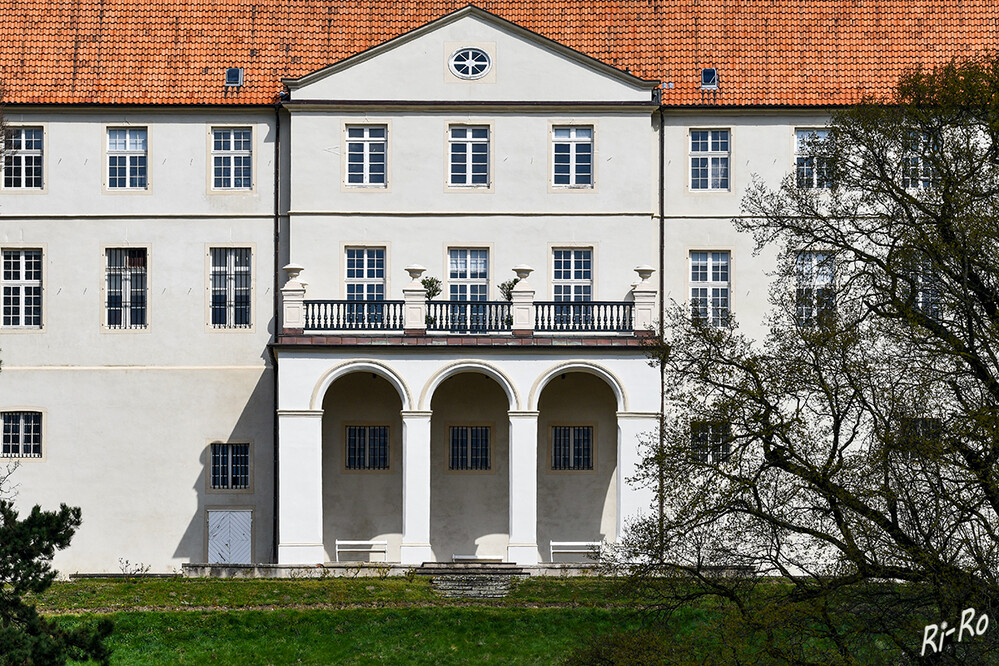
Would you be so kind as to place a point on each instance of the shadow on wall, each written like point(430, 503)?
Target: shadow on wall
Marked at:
point(577, 504)
point(254, 426)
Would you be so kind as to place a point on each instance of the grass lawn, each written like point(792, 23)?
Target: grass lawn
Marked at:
point(444, 635)
point(338, 620)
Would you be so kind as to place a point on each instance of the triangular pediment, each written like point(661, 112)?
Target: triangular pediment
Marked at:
point(471, 56)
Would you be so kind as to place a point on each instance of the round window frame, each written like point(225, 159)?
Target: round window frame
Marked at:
point(470, 77)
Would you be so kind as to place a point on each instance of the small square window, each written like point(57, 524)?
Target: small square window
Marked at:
point(230, 466)
point(710, 441)
point(234, 76)
point(367, 447)
point(709, 78)
point(572, 447)
point(469, 448)
point(22, 435)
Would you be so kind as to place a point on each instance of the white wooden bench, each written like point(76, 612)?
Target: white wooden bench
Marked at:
point(344, 546)
point(575, 548)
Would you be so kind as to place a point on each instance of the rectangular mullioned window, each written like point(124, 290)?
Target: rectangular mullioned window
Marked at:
point(366, 153)
point(230, 466)
point(709, 159)
point(231, 287)
point(232, 158)
point(22, 435)
point(469, 150)
point(815, 288)
point(469, 448)
point(127, 158)
point(709, 287)
point(572, 447)
point(710, 441)
point(22, 158)
point(572, 154)
point(22, 289)
point(126, 292)
point(367, 447)
point(811, 172)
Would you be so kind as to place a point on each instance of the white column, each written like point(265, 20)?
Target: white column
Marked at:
point(523, 547)
point(300, 478)
point(416, 488)
point(522, 303)
point(415, 307)
point(635, 430)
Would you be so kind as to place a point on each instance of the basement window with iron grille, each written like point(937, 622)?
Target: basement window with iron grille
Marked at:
point(367, 447)
point(231, 287)
point(572, 447)
point(22, 435)
point(469, 448)
point(230, 466)
point(125, 288)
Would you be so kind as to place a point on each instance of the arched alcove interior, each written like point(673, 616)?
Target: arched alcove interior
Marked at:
point(576, 502)
point(469, 508)
point(362, 500)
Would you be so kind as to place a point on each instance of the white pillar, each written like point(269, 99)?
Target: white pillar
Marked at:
point(635, 430)
point(415, 488)
point(293, 300)
point(300, 478)
point(644, 294)
point(523, 547)
point(415, 307)
point(522, 303)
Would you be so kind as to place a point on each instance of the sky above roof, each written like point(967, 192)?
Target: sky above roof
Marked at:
point(767, 52)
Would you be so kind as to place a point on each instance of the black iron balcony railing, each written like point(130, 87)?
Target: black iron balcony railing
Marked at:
point(582, 316)
point(469, 316)
point(353, 315)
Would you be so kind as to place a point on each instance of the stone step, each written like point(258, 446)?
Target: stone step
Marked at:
point(471, 580)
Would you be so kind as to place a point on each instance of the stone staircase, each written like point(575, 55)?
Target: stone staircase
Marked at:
point(471, 580)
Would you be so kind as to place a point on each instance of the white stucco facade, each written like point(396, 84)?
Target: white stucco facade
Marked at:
point(132, 418)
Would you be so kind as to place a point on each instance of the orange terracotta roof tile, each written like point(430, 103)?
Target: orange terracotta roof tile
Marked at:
point(768, 52)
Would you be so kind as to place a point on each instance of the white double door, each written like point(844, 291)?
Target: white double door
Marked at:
point(229, 536)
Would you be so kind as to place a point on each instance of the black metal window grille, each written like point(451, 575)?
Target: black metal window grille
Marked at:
point(22, 435)
point(572, 447)
point(22, 288)
point(469, 448)
point(22, 162)
point(710, 441)
point(231, 279)
point(125, 289)
point(367, 447)
point(230, 466)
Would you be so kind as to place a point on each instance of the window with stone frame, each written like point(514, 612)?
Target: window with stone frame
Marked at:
point(22, 289)
point(710, 441)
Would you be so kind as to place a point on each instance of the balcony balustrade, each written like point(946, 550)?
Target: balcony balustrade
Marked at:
point(354, 315)
point(520, 316)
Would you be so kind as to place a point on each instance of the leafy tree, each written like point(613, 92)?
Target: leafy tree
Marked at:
point(26, 549)
point(833, 488)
